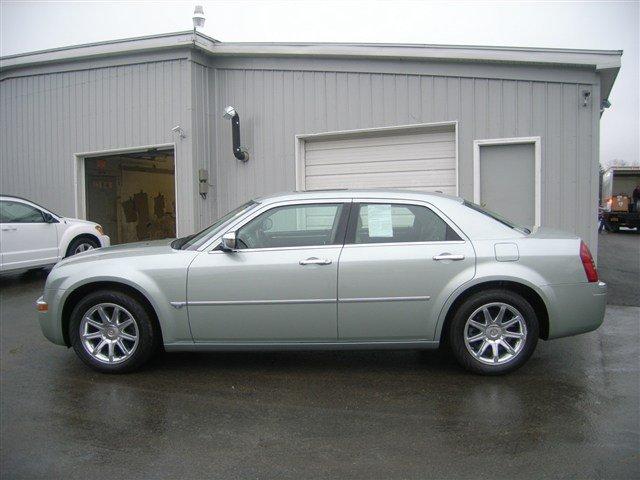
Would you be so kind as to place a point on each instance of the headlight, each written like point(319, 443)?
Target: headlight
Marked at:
point(99, 229)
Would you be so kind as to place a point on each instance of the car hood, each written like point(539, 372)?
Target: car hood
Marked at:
point(125, 250)
point(77, 221)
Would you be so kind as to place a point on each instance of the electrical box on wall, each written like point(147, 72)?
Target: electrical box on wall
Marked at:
point(203, 182)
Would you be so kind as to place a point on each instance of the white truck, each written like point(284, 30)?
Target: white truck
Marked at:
point(618, 209)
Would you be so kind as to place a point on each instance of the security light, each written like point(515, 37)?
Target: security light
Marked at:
point(229, 113)
point(179, 130)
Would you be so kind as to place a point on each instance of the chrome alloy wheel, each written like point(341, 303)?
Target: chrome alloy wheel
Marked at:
point(83, 247)
point(109, 333)
point(495, 333)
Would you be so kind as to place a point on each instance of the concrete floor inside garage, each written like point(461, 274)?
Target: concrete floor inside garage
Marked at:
point(571, 412)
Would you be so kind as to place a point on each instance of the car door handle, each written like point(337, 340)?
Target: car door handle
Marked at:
point(7, 229)
point(315, 261)
point(448, 256)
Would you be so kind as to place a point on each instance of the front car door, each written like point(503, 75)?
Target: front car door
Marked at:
point(398, 260)
point(26, 239)
point(280, 285)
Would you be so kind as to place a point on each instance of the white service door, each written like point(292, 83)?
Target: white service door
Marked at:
point(26, 240)
point(418, 159)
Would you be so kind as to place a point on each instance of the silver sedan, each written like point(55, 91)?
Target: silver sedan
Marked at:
point(330, 270)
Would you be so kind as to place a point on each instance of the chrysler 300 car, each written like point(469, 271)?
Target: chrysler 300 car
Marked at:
point(330, 270)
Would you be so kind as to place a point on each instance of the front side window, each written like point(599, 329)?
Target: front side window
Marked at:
point(293, 226)
point(195, 241)
point(18, 212)
point(398, 223)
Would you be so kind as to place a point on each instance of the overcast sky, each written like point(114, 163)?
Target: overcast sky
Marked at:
point(28, 26)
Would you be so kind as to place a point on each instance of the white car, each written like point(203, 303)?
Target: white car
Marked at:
point(32, 236)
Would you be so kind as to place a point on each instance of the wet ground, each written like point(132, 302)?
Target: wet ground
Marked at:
point(619, 266)
point(571, 412)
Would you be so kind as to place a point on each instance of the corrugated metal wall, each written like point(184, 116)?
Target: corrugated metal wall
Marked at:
point(276, 105)
point(47, 118)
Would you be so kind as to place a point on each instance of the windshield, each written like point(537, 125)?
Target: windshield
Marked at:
point(496, 217)
point(196, 240)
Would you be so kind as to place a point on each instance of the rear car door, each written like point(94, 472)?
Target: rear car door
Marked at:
point(280, 285)
point(26, 239)
point(398, 261)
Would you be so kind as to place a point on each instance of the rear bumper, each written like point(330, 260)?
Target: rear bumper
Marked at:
point(575, 308)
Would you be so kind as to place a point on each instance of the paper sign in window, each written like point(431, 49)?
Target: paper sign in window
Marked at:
point(379, 220)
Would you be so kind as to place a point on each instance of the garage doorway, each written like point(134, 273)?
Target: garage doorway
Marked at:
point(132, 195)
point(507, 178)
point(418, 157)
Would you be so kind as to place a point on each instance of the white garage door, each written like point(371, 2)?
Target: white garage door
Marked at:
point(415, 159)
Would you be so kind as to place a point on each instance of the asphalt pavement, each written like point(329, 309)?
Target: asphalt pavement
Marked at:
point(571, 412)
point(619, 266)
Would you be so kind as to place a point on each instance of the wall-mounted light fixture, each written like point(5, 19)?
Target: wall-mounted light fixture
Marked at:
point(586, 96)
point(238, 152)
point(178, 129)
point(605, 103)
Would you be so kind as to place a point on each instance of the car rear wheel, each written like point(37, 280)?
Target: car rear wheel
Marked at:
point(494, 332)
point(112, 332)
point(82, 244)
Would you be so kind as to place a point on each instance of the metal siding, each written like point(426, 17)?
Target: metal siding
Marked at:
point(317, 101)
point(48, 118)
point(53, 115)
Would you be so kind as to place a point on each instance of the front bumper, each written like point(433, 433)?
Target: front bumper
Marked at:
point(575, 308)
point(105, 241)
point(47, 317)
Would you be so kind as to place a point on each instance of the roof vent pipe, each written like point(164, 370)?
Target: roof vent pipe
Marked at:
point(198, 17)
point(238, 152)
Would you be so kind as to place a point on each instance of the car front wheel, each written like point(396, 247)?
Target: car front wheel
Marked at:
point(82, 244)
point(112, 332)
point(494, 332)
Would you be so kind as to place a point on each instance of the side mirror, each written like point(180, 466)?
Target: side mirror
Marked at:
point(228, 243)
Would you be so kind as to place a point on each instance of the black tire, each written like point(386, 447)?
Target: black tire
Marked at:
point(472, 304)
point(148, 332)
point(78, 241)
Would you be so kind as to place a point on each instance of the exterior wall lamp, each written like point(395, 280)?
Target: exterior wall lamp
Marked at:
point(238, 152)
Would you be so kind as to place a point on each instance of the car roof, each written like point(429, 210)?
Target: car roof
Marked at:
point(15, 197)
point(30, 202)
point(364, 193)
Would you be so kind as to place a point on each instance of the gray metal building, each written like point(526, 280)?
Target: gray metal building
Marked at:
point(89, 130)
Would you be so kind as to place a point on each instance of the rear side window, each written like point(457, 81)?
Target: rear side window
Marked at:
point(398, 223)
point(18, 212)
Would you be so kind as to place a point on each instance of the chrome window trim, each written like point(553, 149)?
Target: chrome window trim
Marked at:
point(241, 222)
point(276, 249)
point(416, 203)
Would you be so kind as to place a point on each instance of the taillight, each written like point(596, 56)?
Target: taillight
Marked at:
point(588, 263)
